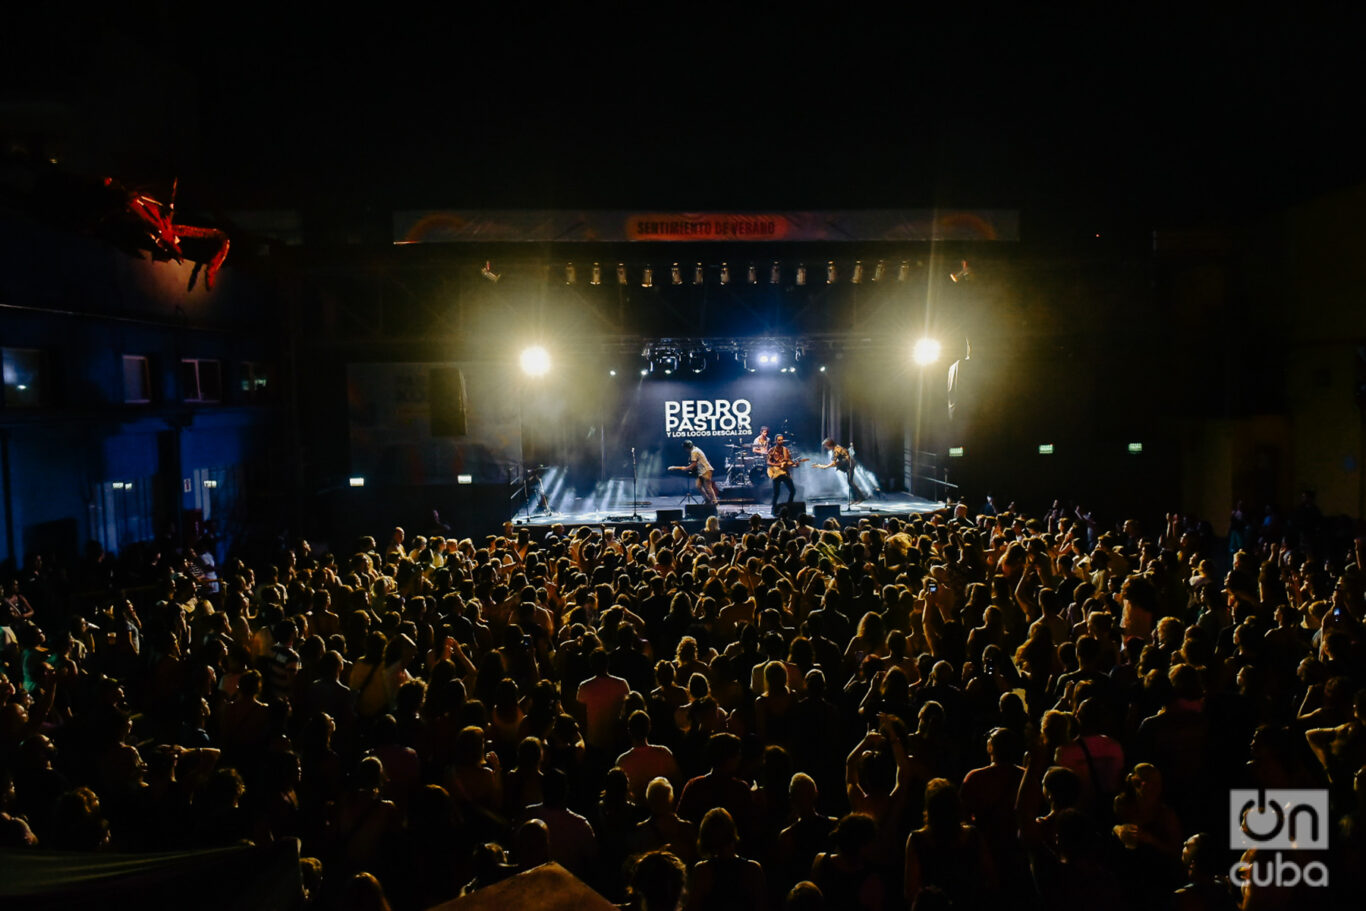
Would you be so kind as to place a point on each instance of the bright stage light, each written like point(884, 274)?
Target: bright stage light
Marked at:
point(535, 361)
point(925, 352)
point(358, 482)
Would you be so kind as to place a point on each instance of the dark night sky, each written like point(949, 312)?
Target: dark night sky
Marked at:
point(1135, 121)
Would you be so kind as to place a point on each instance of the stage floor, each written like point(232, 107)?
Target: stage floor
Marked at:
point(583, 512)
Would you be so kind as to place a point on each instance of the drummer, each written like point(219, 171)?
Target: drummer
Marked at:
point(760, 445)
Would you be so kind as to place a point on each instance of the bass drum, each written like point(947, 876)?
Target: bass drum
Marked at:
point(758, 475)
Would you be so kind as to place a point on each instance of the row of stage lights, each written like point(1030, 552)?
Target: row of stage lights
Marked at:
point(878, 273)
point(535, 360)
point(668, 360)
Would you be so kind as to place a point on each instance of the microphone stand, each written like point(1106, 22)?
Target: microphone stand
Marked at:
point(635, 517)
point(526, 494)
point(849, 482)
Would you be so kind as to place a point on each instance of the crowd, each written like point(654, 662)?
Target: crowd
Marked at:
point(947, 711)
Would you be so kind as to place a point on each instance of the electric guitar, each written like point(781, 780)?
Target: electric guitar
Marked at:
point(690, 469)
point(778, 469)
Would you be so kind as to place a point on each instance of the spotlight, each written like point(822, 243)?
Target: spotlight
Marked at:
point(725, 273)
point(775, 273)
point(488, 272)
point(963, 274)
point(597, 275)
point(903, 272)
point(647, 278)
point(358, 482)
point(697, 361)
point(621, 273)
point(675, 274)
point(879, 271)
point(830, 272)
point(822, 368)
point(569, 274)
point(535, 361)
point(801, 274)
point(667, 360)
point(644, 372)
point(697, 276)
point(611, 373)
point(925, 352)
point(857, 277)
point(753, 275)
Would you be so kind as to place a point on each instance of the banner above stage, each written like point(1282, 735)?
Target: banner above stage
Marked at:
point(570, 226)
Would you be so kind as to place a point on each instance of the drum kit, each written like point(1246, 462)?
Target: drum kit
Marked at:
point(744, 466)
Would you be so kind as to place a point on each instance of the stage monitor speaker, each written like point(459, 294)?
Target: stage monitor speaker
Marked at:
point(823, 511)
point(794, 509)
point(700, 510)
point(446, 401)
point(665, 516)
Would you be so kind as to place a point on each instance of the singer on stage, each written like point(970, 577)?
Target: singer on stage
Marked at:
point(700, 468)
point(840, 458)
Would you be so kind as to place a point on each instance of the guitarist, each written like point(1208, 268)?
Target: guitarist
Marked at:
point(780, 465)
point(841, 459)
point(699, 468)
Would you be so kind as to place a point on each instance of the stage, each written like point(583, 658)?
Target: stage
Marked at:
point(731, 510)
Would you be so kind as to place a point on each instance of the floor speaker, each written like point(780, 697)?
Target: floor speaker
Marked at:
point(665, 516)
point(823, 511)
point(700, 510)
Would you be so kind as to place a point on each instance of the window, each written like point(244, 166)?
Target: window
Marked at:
point(25, 377)
point(137, 380)
point(257, 385)
point(201, 380)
